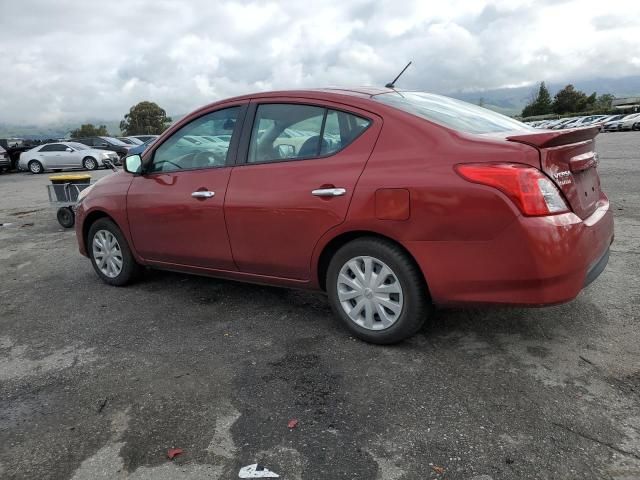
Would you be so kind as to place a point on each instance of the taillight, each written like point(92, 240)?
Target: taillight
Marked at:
point(530, 189)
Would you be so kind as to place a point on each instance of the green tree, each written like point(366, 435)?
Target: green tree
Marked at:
point(89, 130)
point(145, 118)
point(570, 100)
point(603, 102)
point(540, 104)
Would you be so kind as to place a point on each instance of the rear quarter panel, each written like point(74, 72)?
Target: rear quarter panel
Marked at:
point(417, 155)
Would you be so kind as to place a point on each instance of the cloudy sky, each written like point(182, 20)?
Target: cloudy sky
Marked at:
point(68, 60)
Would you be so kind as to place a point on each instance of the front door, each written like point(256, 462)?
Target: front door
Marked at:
point(299, 173)
point(175, 207)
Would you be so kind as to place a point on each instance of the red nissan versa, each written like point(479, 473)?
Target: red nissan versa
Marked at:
point(390, 201)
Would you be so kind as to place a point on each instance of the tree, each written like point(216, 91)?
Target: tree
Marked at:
point(540, 104)
point(603, 102)
point(569, 100)
point(145, 118)
point(89, 130)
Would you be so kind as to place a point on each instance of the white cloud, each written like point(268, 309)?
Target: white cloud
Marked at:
point(75, 60)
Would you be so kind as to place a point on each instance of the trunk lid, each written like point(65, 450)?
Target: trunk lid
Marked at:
point(569, 158)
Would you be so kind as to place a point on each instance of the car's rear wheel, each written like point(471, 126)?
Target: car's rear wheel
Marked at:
point(90, 163)
point(35, 167)
point(377, 290)
point(110, 253)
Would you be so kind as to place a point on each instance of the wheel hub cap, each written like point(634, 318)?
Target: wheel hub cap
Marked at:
point(370, 293)
point(107, 254)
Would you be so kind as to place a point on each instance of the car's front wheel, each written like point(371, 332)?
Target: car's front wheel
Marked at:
point(110, 253)
point(377, 290)
point(35, 167)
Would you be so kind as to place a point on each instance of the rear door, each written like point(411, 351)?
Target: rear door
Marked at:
point(297, 171)
point(53, 155)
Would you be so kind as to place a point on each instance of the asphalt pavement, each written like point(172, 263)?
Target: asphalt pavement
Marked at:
point(98, 382)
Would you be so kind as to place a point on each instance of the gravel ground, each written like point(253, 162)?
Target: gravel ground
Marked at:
point(99, 382)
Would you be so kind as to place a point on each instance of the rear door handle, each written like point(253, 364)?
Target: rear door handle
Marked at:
point(203, 194)
point(329, 192)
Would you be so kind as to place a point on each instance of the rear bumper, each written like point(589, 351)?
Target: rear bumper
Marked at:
point(536, 261)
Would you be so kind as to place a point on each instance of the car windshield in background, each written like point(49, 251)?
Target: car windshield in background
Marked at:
point(78, 146)
point(448, 112)
point(114, 141)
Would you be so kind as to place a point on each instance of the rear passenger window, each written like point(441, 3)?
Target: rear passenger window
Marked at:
point(340, 130)
point(296, 132)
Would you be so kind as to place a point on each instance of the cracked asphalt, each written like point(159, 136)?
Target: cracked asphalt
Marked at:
point(98, 382)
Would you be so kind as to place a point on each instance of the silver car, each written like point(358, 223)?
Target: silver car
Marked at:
point(5, 161)
point(62, 155)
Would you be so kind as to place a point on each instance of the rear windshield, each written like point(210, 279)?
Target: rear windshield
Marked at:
point(455, 114)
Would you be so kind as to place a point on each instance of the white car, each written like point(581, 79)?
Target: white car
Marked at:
point(62, 155)
point(629, 121)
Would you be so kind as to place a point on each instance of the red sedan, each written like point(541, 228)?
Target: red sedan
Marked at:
point(389, 201)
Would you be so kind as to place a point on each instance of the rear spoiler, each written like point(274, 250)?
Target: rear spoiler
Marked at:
point(555, 138)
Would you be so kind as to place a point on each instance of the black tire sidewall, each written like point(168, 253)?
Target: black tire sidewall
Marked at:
point(415, 297)
point(130, 268)
point(62, 220)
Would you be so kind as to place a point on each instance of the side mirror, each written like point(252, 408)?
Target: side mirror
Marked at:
point(68, 149)
point(133, 164)
point(104, 144)
point(286, 151)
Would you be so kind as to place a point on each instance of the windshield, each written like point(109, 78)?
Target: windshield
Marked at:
point(455, 114)
point(114, 141)
point(78, 146)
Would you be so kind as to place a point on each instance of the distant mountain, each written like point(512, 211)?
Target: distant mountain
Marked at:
point(511, 101)
point(52, 130)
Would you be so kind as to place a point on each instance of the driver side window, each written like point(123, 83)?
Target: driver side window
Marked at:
point(202, 143)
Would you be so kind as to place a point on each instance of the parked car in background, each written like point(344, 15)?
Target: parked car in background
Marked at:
point(394, 201)
point(131, 140)
point(138, 149)
point(105, 143)
point(629, 121)
point(5, 161)
point(616, 124)
point(64, 155)
point(14, 147)
point(562, 123)
point(144, 138)
point(578, 122)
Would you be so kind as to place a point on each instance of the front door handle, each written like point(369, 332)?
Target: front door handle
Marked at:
point(203, 194)
point(329, 192)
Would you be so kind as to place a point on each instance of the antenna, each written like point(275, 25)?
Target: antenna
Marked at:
point(393, 84)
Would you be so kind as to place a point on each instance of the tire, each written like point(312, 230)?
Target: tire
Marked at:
point(411, 303)
point(66, 217)
point(106, 229)
point(90, 163)
point(35, 167)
